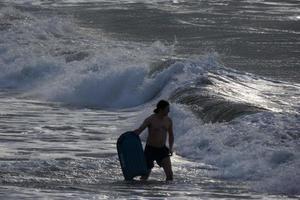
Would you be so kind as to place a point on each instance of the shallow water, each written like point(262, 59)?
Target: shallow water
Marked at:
point(48, 151)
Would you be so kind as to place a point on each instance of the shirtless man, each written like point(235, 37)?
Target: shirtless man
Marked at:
point(159, 125)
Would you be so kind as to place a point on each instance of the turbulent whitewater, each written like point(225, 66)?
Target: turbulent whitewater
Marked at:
point(68, 89)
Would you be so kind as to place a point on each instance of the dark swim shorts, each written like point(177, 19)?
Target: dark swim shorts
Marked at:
point(157, 154)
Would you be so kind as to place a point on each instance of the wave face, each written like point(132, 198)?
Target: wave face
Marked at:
point(246, 125)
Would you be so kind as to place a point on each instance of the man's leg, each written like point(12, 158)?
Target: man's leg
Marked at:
point(149, 162)
point(166, 164)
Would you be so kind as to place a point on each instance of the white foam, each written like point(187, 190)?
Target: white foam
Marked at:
point(262, 149)
point(49, 59)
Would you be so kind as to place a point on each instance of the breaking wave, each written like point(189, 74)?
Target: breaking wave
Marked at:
point(246, 125)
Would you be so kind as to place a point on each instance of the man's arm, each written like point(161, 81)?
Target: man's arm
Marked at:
point(144, 125)
point(171, 136)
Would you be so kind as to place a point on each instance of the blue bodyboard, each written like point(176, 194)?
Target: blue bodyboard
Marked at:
point(131, 155)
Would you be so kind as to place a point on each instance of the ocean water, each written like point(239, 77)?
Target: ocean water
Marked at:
point(76, 74)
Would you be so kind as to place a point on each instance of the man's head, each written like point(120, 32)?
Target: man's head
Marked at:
point(162, 107)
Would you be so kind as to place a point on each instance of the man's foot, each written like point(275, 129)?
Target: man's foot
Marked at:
point(169, 179)
point(144, 178)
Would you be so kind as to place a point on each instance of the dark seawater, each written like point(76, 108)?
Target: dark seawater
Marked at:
point(75, 74)
point(261, 37)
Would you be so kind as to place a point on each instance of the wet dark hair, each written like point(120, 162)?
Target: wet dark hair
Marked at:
point(162, 104)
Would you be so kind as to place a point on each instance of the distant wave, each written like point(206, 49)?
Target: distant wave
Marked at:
point(51, 58)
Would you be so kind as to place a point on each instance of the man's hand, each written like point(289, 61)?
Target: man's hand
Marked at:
point(170, 152)
point(136, 132)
